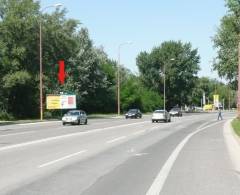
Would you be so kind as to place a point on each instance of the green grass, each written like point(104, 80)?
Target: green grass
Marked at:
point(236, 126)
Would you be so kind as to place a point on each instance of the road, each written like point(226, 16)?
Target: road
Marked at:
point(118, 157)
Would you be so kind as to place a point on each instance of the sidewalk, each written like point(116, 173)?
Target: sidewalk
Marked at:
point(233, 144)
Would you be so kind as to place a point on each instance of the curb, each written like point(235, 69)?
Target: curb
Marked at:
point(233, 144)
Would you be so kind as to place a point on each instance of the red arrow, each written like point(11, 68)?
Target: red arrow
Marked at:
point(61, 73)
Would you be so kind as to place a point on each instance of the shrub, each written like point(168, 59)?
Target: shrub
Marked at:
point(5, 116)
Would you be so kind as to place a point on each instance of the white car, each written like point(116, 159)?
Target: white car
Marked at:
point(75, 117)
point(161, 115)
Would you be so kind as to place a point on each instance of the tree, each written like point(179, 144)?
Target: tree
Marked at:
point(17, 57)
point(211, 87)
point(89, 79)
point(90, 74)
point(226, 42)
point(181, 64)
point(135, 95)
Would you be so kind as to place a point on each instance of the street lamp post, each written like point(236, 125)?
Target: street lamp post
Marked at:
point(164, 86)
point(40, 59)
point(118, 76)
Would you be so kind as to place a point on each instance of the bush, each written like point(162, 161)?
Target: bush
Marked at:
point(5, 116)
point(53, 114)
point(47, 115)
point(134, 95)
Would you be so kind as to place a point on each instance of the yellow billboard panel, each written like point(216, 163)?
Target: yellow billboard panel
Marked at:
point(216, 100)
point(207, 107)
point(53, 102)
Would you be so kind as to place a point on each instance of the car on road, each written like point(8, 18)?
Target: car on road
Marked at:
point(75, 117)
point(175, 112)
point(161, 115)
point(133, 113)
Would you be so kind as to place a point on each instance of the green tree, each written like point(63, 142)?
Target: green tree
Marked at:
point(226, 42)
point(211, 87)
point(18, 24)
point(90, 74)
point(135, 95)
point(181, 64)
point(90, 81)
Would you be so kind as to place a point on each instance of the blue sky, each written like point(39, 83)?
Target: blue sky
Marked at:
point(147, 23)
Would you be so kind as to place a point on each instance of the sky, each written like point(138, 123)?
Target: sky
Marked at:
point(148, 23)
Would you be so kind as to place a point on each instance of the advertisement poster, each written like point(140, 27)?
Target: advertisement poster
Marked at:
point(55, 102)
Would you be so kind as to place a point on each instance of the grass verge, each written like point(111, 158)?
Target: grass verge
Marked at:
point(236, 126)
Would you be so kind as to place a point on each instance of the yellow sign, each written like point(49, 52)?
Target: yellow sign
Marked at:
point(216, 100)
point(53, 102)
point(207, 107)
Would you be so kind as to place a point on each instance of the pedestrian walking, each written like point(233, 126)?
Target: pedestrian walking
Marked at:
point(220, 114)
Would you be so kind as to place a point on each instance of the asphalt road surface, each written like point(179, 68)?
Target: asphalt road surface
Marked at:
point(118, 157)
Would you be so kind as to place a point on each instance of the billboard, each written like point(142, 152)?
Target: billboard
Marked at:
point(216, 100)
point(55, 102)
point(207, 107)
point(204, 99)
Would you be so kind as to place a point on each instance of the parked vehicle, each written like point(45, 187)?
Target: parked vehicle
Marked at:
point(75, 117)
point(161, 115)
point(175, 112)
point(133, 113)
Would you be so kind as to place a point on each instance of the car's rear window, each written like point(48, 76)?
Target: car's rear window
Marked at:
point(159, 111)
point(132, 111)
point(73, 113)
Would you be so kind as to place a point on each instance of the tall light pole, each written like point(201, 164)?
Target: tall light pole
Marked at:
point(164, 86)
point(40, 59)
point(118, 75)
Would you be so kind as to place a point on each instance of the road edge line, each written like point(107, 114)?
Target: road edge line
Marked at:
point(159, 181)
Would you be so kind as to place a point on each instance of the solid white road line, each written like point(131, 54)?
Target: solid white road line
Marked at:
point(61, 159)
point(12, 134)
point(159, 181)
point(65, 136)
point(37, 123)
point(115, 140)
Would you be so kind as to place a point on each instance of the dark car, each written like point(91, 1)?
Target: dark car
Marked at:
point(175, 112)
point(133, 113)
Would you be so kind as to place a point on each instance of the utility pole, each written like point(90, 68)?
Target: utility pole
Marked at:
point(229, 99)
point(238, 92)
point(223, 103)
point(164, 89)
point(118, 77)
point(164, 84)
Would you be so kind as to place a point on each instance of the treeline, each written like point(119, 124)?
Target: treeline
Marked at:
point(91, 74)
